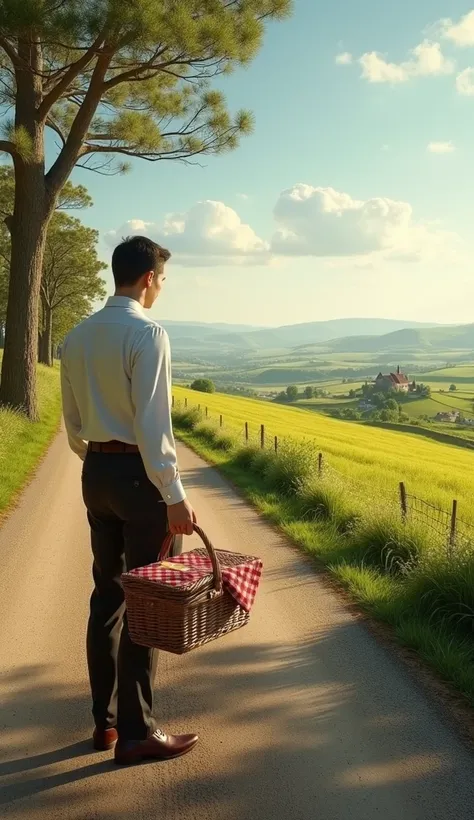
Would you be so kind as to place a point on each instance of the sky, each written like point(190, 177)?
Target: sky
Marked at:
point(353, 197)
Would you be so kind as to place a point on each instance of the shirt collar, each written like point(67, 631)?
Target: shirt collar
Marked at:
point(124, 302)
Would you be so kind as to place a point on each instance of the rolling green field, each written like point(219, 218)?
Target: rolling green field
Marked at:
point(461, 374)
point(372, 460)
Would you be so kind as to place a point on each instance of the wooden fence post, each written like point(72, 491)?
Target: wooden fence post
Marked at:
point(172, 401)
point(262, 436)
point(186, 402)
point(199, 407)
point(320, 464)
point(452, 533)
point(276, 444)
point(246, 431)
point(403, 501)
point(221, 422)
point(207, 412)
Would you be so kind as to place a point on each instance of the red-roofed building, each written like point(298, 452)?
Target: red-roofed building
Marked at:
point(392, 381)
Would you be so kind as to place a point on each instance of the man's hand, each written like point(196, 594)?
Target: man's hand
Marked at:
point(181, 518)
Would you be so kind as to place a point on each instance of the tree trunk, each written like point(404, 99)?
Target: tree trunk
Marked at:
point(28, 234)
point(28, 227)
point(46, 338)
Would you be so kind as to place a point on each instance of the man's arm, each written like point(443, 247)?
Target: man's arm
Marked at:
point(151, 396)
point(71, 415)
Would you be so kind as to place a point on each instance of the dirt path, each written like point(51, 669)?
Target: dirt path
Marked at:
point(302, 714)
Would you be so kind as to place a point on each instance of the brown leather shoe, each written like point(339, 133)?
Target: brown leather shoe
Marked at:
point(104, 740)
point(157, 747)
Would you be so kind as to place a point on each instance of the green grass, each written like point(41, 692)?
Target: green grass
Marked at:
point(400, 573)
point(23, 443)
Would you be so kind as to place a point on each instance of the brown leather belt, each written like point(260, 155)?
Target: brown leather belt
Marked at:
point(112, 447)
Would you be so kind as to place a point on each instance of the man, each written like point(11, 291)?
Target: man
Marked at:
point(116, 388)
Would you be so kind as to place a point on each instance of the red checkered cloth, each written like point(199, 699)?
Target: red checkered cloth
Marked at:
point(241, 580)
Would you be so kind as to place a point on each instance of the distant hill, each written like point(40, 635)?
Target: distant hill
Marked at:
point(202, 330)
point(233, 338)
point(409, 339)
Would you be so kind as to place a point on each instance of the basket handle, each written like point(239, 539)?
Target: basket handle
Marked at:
point(216, 567)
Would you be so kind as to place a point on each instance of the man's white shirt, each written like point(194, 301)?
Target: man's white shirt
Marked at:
point(116, 385)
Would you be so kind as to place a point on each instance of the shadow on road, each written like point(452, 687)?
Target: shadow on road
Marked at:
point(306, 735)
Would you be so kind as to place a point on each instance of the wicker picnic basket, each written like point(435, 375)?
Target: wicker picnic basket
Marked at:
point(180, 618)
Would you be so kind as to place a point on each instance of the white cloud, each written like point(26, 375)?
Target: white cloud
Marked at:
point(462, 33)
point(345, 58)
point(465, 82)
point(325, 222)
point(310, 221)
point(375, 69)
point(441, 147)
point(426, 60)
point(243, 196)
point(209, 233)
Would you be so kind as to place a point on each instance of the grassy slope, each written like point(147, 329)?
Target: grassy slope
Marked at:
point(22, 443)
point(427, 597)
point(373, 461)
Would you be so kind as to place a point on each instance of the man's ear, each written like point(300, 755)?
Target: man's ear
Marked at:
point(149, 278)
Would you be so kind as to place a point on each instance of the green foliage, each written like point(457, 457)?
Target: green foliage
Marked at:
point(295, 463)
point(452, 388)
point(325, 500)
point(379, 399)
point(224, 441)
point(443, 588)
point(203, 386)
point(309, 392)
point(245, 457)
point(389, 415)
point(383, 540)
point(186, 418)
point(158, 61)
point(71, 280)
point(71, 268)
point(292, 392)
point(206, 432)
point(423, 390)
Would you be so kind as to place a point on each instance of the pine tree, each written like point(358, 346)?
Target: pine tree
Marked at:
point(110, 78)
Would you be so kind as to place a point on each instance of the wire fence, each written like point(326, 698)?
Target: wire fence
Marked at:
point(445, 525)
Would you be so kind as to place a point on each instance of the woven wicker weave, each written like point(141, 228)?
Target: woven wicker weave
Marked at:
point(177, 619)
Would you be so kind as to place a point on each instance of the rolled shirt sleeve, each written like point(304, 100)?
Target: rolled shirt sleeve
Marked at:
point(72, 418)
point(151, 397)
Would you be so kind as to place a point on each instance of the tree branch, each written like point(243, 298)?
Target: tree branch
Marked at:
point(55, 127)
point(10, 52)
point(137, 71)
point(60, 170)
point(8, 147)
point(73, 71)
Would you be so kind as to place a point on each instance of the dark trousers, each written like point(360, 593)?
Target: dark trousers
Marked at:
point(128, 521)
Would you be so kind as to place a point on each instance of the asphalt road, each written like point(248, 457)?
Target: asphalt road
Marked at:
point(301, 715)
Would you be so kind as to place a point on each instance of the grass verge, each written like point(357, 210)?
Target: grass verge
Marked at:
point(23, 443)
point(394, 571)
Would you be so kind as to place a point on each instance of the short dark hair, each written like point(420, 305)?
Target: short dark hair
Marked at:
point(135, 256)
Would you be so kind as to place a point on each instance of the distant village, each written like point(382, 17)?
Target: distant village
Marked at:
point(400, 383)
